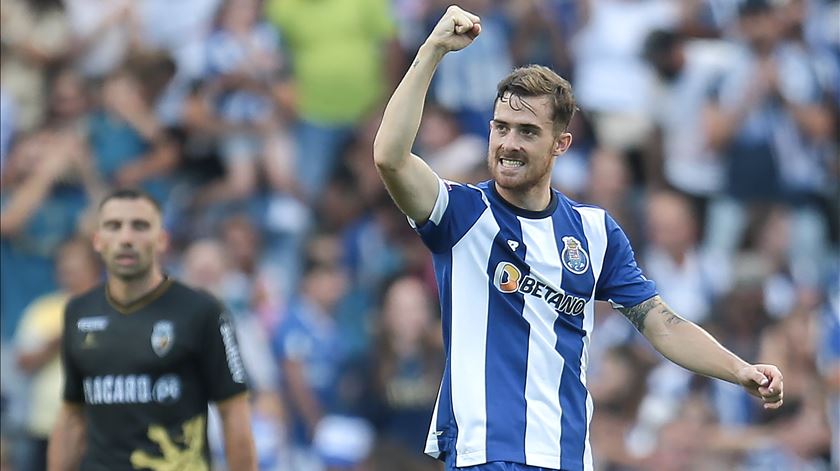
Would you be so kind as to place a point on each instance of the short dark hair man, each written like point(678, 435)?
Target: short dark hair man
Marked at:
point(143, 355)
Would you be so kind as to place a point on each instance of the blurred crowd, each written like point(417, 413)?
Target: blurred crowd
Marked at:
point(708, 129)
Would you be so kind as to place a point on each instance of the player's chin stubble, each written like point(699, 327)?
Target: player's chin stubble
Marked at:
point(136, 272)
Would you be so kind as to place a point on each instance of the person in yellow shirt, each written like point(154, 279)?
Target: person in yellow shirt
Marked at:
point(338, 58)
point(37, 343)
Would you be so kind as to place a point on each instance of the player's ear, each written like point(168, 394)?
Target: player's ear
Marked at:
point(163, 241)
point(562, 143)
point(96, 241)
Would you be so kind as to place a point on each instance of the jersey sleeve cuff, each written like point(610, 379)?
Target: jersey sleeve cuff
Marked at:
point(441, 203)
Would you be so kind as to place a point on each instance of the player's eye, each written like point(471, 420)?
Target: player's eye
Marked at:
point(141, 225)
point(111, 225)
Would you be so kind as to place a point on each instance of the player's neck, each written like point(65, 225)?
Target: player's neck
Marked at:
point(125, 292)
point(535, 199)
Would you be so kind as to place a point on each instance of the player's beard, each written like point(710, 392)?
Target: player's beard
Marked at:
point(139, 270)
point(532, 173)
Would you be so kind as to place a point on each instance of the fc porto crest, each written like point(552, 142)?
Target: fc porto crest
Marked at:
point(574, 257)
point(163, 336)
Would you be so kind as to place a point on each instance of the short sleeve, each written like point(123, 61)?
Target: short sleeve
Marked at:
point(292, 342)
point(73, 389)
point(621, 282)
point(456, 209)
point(221, 362)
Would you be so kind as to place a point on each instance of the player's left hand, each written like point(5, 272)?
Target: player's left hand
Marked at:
point(764, 382)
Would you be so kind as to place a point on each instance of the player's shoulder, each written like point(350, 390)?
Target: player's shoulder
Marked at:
point(84, 302)
point(594, 213)
point(198, 300)
point(584, 207)
point(576, 204)
point(465, 196)
point(475, 189)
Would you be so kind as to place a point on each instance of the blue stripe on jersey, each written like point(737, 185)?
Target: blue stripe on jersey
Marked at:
point(507, 352)
point(621, 281)
point(570, 334)
point(445, 419)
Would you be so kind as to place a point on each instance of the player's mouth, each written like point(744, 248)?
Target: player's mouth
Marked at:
point(126, 258)
point(511, 163)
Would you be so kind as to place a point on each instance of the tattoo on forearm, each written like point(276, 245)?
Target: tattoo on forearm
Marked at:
point(655, 306)
point(637, 314)
point(670, 317)
point(416, 62)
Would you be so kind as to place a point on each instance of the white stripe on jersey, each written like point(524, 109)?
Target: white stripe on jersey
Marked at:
point(432, 448)
point(470, 294)
point(545, 364)
point(595, 229)
point(441, 203)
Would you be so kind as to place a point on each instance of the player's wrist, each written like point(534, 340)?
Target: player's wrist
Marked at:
point(431, 50)
point(738, 369)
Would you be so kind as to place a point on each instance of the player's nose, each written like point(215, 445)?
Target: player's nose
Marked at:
point(125, 236)
point(510, 142)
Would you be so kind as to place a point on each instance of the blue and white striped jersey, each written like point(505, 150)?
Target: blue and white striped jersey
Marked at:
point(517, 293)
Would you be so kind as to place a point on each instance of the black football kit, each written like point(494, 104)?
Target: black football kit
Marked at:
point(144, 374)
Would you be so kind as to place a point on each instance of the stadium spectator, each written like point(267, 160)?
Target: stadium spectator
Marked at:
point(130, 145)
point(37, 343)
point(611, 80)
point(769, 123)
point(47, 183)
point(257, 285)
point(406, 366)
point(687, 72)
point(102, 34)
point(337, 73)
point(35, 37)
point(608, 185)
point(541, 32)
point(179, 30)
point(451, 154)
point(68, 102)
point(690, 278)
point(311, 353)
point(243, 66)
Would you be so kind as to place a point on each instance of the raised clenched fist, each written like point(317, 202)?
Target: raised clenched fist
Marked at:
point(456, 29)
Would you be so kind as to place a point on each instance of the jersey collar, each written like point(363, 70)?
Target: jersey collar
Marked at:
point(141, 302)
point(526, 213)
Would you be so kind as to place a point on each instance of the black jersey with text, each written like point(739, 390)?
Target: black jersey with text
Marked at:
point(144, 374)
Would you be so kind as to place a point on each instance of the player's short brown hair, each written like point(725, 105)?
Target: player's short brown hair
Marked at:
point(537, 80)
point(130, 194)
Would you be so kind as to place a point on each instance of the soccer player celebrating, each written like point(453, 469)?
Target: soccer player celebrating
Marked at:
point(143, 355)
point(519, 267)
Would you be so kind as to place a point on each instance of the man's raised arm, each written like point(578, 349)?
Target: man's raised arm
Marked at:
point(691, 347)
point(411, 183)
